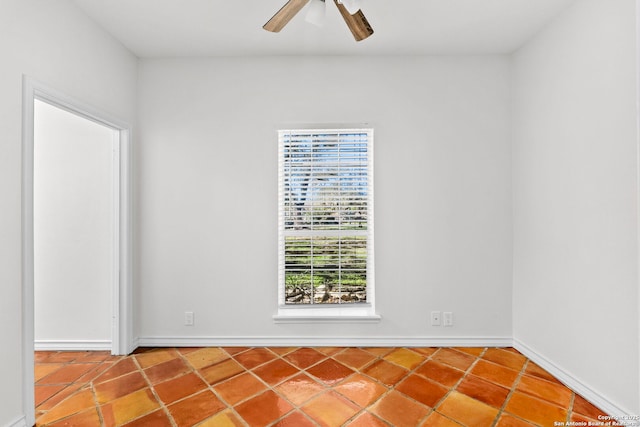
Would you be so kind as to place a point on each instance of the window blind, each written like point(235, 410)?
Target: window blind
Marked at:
point(326, 213)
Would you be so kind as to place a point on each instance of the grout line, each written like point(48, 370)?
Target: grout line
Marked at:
point(570, 407)
point(153, 391)
point(210, 386)
point(97, 404)
point(454, 387)
point(245, 370)
point(511, 392)
point(272, 388)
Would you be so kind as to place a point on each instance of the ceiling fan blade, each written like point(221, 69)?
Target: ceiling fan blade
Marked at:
point(357, 23)
point(284, 15)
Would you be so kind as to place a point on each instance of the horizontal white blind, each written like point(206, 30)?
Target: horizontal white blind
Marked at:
point(325, 211)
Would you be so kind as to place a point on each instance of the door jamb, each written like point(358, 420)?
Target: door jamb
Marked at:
point(122, 341)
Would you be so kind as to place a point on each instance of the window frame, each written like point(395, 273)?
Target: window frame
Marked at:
point(362, 312)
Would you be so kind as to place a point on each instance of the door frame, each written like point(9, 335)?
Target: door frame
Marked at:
point(122, 341)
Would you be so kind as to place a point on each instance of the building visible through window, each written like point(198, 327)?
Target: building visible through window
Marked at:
point(326, 216)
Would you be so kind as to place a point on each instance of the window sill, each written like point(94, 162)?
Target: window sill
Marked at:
point(333, 314)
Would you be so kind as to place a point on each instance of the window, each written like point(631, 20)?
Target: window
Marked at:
point(326, 218)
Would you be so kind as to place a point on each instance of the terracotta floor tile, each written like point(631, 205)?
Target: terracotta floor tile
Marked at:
point(186, 350)
point(121, 386)
point(295, 419)
point(583, 407)
point(221, 371)
point(473, 351)
point(255, 357)
point(166, 370)
point(235, 350)
point(281, 351)
point(399, 410)
point(300, 389)
point(440, 373)
point(360, 389)
point(495, 373)
point(88, 418)
point(354, 358)
point(329, 351)
point(507, 420)
point(59, 397)
point(534, 410)
point(129, 407)
point(42, 356)
point(404, 357)
point(206, 357)
point(67, 374)
point(337, 386)
point(95, 356)
point(536, 371)
point(240, 388)
point(65, 356)
point(192, 410)
point(263, 409)
point(155, 419)
point(222, 419)
point(275, 372)
point(483, 390)
point(44, 392)
point(424, 391)
point(545, 390)
point(467, 411)
point(330, 409)
point(505, 358)
point(155, 356)
point(330, 371)
point(78, 402)
point(179, 388)
point(92, 374)
point(119, 368)
point(42, 370)
point(367, 420)
point(425, 351)
point(454, 358)
point(385, 372)
point(379, 351)
point(439, 420)
point(577, 418)
point(304, 357)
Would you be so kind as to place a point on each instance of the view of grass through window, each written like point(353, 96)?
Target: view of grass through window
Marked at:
point(325, 185)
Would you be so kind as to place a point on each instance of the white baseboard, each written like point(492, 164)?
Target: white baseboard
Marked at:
point(165, 341)
point(72, 345)
point(573, 383)
point(19, 422)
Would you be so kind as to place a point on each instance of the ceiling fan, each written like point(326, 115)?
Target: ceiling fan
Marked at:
point(349, 9)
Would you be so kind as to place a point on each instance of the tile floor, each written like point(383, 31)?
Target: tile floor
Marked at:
point(299, 387)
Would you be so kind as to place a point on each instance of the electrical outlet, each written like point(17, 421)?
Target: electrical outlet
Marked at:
point(435, 318)
point(448, 318)
point(188, 318)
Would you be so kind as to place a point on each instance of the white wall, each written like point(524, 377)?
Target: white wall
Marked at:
point(74, 213)
point(56, 44)
point(207, 190)
point(575, 195)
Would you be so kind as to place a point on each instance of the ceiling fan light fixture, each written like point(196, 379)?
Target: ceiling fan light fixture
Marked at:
point(316, 13)
point(352, 6)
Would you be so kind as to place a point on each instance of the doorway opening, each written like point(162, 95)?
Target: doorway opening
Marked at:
point(102, 228)
point(75, 224)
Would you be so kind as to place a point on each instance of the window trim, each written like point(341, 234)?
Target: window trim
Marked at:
point(329, 313)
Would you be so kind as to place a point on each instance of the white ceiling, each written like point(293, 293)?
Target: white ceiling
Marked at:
point(180, 28)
